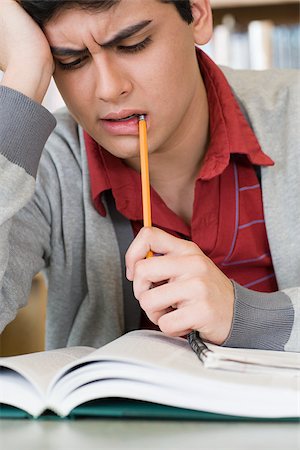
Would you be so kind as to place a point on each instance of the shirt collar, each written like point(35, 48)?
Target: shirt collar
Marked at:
point(109, 172)
point(229, 130)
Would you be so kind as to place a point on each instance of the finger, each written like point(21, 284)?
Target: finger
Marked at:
point(154, 317)
point(177, 295)
point(169, 294)
point(159, 300)
point(176, 323)
point(159, 242)
point(161, 268)
point(148, 273)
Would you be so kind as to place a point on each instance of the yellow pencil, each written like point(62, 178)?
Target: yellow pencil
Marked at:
point(145, 175)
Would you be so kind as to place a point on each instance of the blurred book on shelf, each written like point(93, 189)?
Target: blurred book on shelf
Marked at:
point(261, 41)
point(260, 45)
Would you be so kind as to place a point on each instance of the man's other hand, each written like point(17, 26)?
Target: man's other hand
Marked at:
point(25, 56)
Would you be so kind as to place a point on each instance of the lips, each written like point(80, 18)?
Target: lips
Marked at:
point(123, 123)
point(124, 118)
point(123, 115)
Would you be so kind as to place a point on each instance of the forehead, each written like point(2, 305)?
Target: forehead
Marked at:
point(75, 21)
point(112, 9)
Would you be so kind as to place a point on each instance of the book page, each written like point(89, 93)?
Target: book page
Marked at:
point(153, 348)
point(254, 361)
point(20, 393)
point(146, 347)
point(39, 368)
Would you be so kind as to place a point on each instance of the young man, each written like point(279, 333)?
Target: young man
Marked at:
point(223, 166)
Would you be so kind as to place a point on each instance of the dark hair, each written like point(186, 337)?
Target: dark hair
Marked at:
point(43, 10)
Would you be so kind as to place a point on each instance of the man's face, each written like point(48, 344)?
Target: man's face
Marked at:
point(105, 78)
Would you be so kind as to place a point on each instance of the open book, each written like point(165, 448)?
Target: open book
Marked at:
point(147, 366)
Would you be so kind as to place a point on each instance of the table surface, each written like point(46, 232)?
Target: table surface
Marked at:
point(110, 434)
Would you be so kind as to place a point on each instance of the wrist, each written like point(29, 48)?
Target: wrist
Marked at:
point(220, 324)
point(33, 83)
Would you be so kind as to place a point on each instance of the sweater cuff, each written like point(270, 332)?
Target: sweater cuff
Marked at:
point(261, 320)
point(24, 129)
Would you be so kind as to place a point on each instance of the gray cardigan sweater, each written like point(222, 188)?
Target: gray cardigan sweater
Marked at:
point(48, 222)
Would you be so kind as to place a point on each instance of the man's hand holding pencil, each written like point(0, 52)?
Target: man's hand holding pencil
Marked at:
point(202, 295)
point(196, 296)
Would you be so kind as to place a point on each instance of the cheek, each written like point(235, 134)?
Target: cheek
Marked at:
point(75, 92)
point(168, 96)
point(169, 74)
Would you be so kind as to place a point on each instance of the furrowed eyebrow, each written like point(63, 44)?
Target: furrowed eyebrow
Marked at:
point(126, 33)
point(119, 37)
point(61, 51)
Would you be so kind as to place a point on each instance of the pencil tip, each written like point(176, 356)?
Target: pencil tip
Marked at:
point(141, 117)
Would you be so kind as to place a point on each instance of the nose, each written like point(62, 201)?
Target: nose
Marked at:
point(112, 82)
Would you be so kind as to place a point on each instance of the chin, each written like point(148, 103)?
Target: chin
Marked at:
point(125, 154)
point(122, 148)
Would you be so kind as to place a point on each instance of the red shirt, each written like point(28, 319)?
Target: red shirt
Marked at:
point(228, 219)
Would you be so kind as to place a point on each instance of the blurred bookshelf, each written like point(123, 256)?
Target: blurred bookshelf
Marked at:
point(252, 3)
point(255, 34)
point(280, 11)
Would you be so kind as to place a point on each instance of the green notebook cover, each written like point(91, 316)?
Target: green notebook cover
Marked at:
point(133, 409)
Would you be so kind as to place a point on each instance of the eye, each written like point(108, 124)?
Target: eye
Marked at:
point(136, 47)
point(76, 64)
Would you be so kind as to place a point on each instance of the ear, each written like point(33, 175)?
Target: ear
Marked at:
point(203, 22)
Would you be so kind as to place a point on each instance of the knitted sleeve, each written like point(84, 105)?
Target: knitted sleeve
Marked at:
point(24, 128)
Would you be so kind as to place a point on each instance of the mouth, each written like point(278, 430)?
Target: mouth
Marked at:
point(123, 116)
point(124, 122)
point(125, 119)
